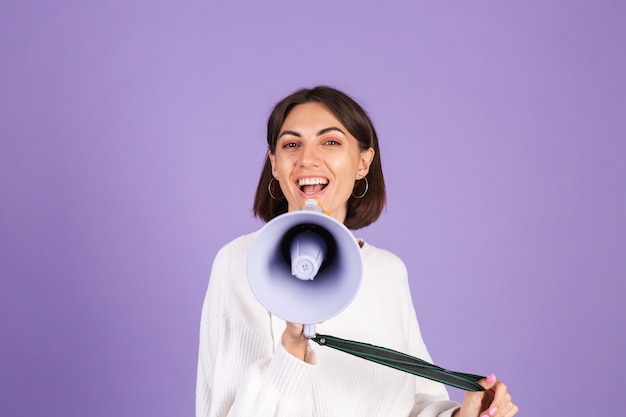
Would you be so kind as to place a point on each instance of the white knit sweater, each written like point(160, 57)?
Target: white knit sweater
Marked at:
point(244, 371)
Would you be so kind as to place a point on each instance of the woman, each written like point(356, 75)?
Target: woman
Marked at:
point(322, 145)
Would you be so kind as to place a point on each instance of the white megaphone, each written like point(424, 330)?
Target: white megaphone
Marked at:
point(305, 267)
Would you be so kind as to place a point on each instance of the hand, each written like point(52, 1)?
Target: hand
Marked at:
point(495, 401)
point(294, 341)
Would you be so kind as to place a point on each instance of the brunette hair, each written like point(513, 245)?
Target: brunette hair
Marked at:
point(361, 211)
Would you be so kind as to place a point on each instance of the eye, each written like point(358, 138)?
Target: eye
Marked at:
point(290, 145)
point(332, 142)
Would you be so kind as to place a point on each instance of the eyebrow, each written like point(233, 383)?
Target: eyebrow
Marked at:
point(320, 133)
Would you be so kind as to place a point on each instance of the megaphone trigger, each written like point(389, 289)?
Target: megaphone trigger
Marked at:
point(309, 331)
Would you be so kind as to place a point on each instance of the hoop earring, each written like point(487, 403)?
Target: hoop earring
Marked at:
point(367, 187)
point(269, 189)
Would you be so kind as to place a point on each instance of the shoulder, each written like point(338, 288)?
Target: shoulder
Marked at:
point(230, 260)
point(228, 289)
point(229, 302)
point(375, 256)
point(236, 247)
point(380, 262)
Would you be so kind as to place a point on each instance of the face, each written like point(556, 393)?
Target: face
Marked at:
point(316, 157)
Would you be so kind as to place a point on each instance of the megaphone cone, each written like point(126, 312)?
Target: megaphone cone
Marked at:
point(305, 267)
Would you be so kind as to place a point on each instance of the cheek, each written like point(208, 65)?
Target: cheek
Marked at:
point(346, 182)
point(351, 169)
point(278, 166)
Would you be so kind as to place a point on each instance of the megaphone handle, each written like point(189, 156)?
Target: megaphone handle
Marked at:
point(402, 362)
point(309, 331)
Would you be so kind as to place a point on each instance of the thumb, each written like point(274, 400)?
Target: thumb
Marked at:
point(488, 382)
point(474, 403)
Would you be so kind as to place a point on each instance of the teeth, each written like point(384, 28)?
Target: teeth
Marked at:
point(312, 181)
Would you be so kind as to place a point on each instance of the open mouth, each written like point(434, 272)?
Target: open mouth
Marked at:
point(311, 186)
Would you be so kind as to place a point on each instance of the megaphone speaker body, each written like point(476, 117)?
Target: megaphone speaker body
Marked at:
point(300, 297)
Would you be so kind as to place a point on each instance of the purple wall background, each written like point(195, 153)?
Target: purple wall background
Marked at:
point(132, 134)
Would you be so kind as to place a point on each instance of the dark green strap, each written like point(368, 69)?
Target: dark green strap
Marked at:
point(402, 362)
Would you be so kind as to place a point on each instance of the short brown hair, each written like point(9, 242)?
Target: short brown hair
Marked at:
point(361, 211)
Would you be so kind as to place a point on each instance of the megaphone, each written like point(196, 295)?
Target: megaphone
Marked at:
point(305, 267)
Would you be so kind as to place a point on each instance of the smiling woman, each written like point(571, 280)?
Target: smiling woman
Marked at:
point(340, 122)
point(322, 146)
point(316, 157)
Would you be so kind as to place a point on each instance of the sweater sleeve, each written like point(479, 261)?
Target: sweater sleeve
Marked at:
point(241, 371)
point(431, 397)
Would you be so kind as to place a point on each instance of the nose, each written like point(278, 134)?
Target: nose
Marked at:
point(309, 156)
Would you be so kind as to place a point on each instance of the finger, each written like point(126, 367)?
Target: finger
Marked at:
point(506, 410)
point(501, 403)
point(293, 340)
point(501, 394)
point(295, 330)
point(488, 382)
point(512, 411)
point(489, 403)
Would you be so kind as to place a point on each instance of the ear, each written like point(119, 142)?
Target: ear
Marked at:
point(272, 159)
point(367, 156)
